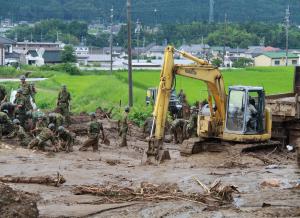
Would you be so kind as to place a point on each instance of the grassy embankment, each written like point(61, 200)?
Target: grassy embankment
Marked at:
point(92, 91)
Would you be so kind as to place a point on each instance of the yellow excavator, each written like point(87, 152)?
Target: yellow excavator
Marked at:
point(240, 116)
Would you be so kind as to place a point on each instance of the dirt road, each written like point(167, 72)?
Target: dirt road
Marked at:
point(122, 166)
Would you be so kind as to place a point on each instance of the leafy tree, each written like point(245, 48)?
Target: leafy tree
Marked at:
point(217, 62)
point(68, 55)
point(242, 63)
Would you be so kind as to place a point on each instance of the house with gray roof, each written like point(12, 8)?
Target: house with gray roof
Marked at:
point(196, 49)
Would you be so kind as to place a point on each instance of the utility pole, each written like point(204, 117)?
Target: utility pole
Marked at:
point(211, 11)
point(155, 16)
point(138, 32)
point(225, 38)
point(287, 25)
point(111, 39)
point(57, 36)
point(130, 97)
point(155, 27)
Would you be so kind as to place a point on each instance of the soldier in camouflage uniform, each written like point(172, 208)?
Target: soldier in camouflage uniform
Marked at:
point(66, 139)
point(3, 93)
point(63, 103)
point(57, 119)
point(20, 102)
point(19, 132)
point(185, 108)
point(177, 129)
point(27, 93)
point(10, 107)
point(46, 134)
point(6, 126)
point(191, 127)
point(40, 122)
point(124, 127)
point(94, 134)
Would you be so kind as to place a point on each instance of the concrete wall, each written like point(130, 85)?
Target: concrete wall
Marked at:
point(262, 60)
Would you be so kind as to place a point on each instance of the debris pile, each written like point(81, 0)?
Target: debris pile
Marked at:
point(17, 204)
point(43, 180)
point(219, 191)
point(218, 195)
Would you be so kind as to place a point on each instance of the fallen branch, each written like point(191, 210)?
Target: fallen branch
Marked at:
point(205, 188)
point(42, 180)
point(108, 209)
point(150, 192)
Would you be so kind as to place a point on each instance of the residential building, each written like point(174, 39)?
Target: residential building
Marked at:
point(81, 50)
point(26, 45)
point(116, 50)
point(156, 52)
point(196, 49)
point(6, 46)
point(254, 51)
point(42, 56)
point(275, 59)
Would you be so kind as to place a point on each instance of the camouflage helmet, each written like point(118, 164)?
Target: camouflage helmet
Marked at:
point(51, 126)
point(22, 77)
point(93, 114)
point(29, 114)
point(5, 111)
point(61, 129)
point(20, 91)
point(63, 86)
point(127, 109)
point(16, 121)
point(51, 115)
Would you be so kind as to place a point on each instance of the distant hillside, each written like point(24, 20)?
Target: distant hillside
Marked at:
point(168, 11)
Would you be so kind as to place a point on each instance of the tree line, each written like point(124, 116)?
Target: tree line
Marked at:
point(150, 12)
point(233, 35)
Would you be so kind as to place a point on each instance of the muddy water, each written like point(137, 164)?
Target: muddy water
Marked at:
point(86, 168)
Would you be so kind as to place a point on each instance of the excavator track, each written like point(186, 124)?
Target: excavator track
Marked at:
point(197, 145)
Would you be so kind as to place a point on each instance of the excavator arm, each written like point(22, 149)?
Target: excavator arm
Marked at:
point(201, 70)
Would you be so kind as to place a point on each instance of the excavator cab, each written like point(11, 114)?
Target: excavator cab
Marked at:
point(245, 110)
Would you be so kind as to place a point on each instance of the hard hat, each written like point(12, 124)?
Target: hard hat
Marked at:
point(16, 121)
point(51, 126)
point(61, 129)
point(127, 109)
point(22, 77)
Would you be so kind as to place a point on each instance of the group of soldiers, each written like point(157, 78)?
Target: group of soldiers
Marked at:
point(37, 130)
point(185, 127)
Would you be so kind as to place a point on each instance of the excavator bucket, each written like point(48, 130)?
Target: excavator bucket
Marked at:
point(155, 154)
